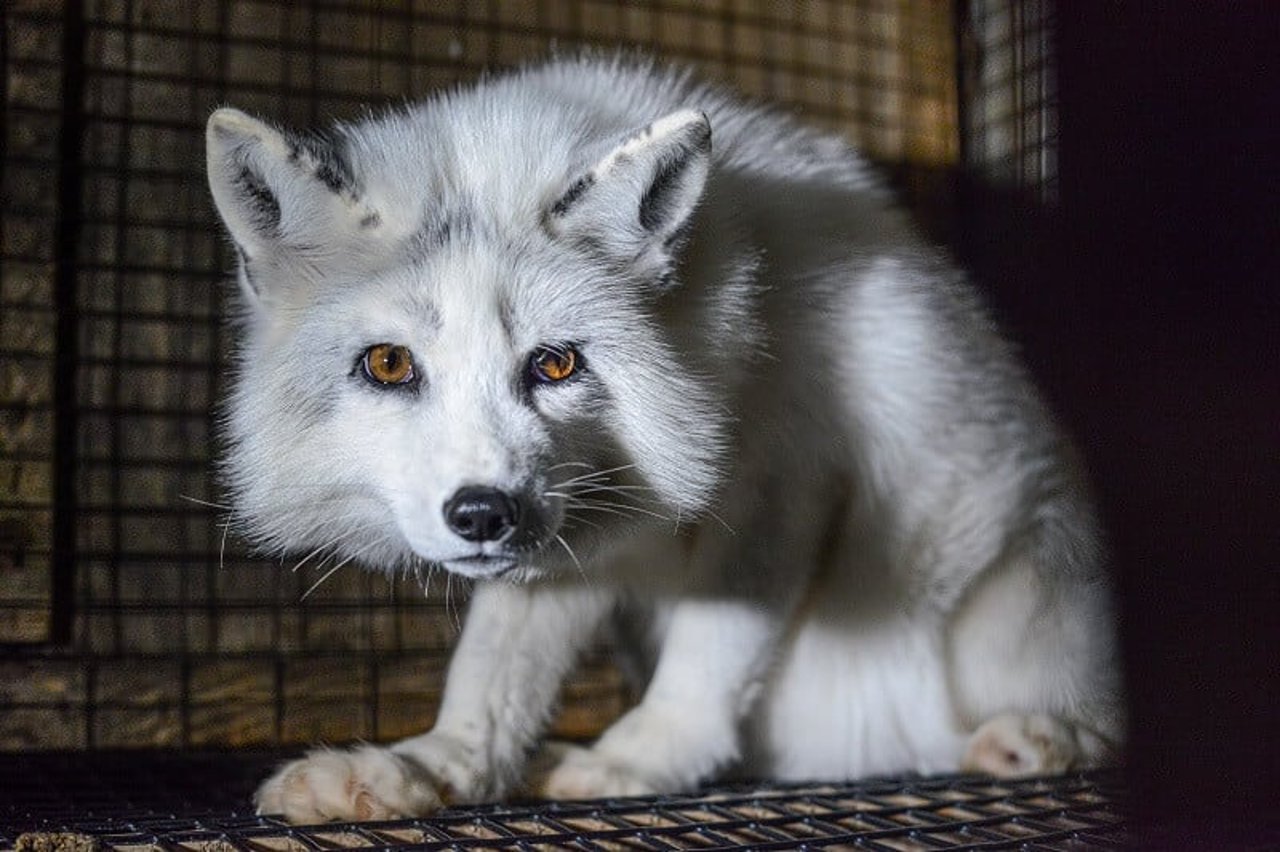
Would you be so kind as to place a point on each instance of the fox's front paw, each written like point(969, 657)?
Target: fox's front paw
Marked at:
point(585, 774)
point(365, 783)
point(1012, 745)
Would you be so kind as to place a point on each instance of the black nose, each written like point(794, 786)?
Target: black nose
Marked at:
point(481, 514)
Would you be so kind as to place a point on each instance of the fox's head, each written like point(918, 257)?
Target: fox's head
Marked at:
point(455, 344)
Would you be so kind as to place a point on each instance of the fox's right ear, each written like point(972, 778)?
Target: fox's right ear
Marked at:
point(282, 196)
point(248, 164)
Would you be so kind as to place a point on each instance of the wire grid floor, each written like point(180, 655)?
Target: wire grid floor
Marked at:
point(185, 801)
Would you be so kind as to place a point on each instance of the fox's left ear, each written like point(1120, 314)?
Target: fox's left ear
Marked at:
point(636, 202)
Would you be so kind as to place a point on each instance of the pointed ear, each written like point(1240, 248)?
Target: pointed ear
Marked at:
point(277, 193)
point(636, 202)
point(247, 164)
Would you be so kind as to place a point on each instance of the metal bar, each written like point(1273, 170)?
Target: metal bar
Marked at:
point(66, 357)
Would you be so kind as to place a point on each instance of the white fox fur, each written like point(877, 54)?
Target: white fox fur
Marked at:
point(797, 466)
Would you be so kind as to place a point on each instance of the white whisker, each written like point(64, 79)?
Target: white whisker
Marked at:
point(222, 545)
point(451, 612)
point(209, 504)
point(568, 464)
point(572, 555)
point(722, 522)
point(570, 516)
point(619, 489)
point(326, 576)
point(594, 504)
point(597, 474)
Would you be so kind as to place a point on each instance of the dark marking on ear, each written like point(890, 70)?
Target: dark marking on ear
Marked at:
point(371, 220)
point(656, 204)
point(266, 209)
point(572, 194)
point(329, 176)
point(325, 152)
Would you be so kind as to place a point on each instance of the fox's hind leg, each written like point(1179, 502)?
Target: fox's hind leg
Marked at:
point(1013, 744)
point(1033, 670)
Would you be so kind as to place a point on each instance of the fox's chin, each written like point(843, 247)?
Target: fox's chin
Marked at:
point(481, 567)
point(518, 563)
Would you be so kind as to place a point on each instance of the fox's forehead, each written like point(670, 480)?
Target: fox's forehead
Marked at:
point(463, 284)
point(446, 166)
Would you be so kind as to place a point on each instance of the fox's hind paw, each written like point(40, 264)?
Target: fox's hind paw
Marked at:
point(1012, 745)
point(366, 783)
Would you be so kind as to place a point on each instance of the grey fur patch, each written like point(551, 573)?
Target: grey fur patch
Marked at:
point(507, 316)
point(572, 194)
point(311, 405)
point(371, 220)
point(437, 232)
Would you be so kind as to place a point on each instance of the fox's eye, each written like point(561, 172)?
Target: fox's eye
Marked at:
point(388, 364)
point(551, 364)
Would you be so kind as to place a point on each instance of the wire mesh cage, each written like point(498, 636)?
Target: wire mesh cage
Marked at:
point(127, 617)
point(198, 802)
point(1009, 132)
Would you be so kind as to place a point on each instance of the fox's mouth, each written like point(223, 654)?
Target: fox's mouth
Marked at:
point(481, 566)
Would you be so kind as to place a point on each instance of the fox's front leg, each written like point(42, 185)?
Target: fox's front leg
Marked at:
point(730, 606)
point(685, 730)
point(517, 646)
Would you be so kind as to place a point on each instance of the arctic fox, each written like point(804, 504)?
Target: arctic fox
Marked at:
point(626, 350)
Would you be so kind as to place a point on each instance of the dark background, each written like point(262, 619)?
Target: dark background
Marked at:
point(1159, 342)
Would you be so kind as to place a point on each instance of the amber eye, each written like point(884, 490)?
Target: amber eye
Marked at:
point(388, 364)
point(551, 364)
